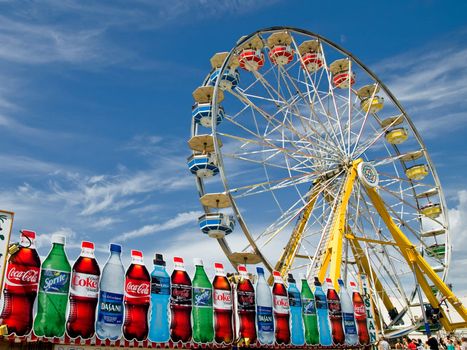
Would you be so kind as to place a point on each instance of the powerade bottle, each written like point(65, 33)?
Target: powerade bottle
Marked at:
point(264, 318)
point(203, 316)
point(310, 319)
point(322, 312)
point(160, 295)
point(350, 329)
point(110, 308)
point(53, 291)
point(296, 319)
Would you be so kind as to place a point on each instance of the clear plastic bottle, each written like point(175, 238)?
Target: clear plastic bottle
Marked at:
point(296, 318)
point(110, 308)
point(264, 318)
point(348, 318)
point(322, 312)
point(160, 295)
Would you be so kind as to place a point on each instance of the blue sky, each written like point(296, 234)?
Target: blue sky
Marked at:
point(95, 105)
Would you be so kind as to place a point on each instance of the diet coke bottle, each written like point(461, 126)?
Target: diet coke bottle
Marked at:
point(246, 307)
point(222, 306)
point(137, 297)
point(21, 281)
point(281, 310)
point(180, 302)
point(84, 292)
point(360, 315)
point(335, 313)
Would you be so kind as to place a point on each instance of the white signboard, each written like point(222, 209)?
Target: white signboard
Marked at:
point(369, 316)
point(6, 223)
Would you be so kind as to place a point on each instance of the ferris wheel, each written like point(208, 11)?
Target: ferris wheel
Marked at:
point(305, 162)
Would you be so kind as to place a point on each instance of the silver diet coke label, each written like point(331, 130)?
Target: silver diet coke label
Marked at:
point(85, 285)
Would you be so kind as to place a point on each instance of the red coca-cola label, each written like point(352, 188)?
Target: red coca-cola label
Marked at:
point(137, 289)
point(360, 311)
point(22, 278)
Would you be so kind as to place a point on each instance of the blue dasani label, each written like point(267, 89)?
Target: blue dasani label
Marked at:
point(265, 320)
point(202, 297)
point(110, 308)
point(160, 285)
point(349, 323)
point(54, 282)
point(308, 306)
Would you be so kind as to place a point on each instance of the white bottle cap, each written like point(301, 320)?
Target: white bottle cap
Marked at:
point(197, 262)
point(60, 239)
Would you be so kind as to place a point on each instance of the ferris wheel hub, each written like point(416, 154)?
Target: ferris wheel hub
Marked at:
point(367, 174)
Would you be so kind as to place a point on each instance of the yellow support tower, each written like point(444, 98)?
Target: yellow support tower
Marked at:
point(421, 268)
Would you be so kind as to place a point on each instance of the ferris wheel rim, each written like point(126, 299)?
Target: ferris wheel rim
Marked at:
point(385, 89)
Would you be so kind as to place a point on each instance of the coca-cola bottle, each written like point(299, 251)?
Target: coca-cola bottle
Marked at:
point(335, 313)
point(360, 315)
point(180, 302)
point(281, 310)
point(223, 330)
point(21, 281)
point(84, 292)
point(136, 299)
point(246, 307)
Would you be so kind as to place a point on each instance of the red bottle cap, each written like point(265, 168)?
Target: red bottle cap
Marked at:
point(276, 274)
point(353, 284)
point(328, 280)
point(218, 266)
point(28, 233)
point(86, 244)
point(242, 268)
point(137, 253)
point(178, 260)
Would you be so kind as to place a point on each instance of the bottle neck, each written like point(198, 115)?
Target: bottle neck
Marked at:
point(200, 269)
point(87, 253)
point(278, 279)
point(179, 266)
point(159, 267)
point(58, 248)
point(27, 242)
point(136, 260)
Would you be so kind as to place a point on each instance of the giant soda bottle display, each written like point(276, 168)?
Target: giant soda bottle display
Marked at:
point(335, 313)
point(281, 310)
point(350, 329)
point(223, 332)
point(110, 307)
point(136, 300)
point(21, 281)
point(84, 292)
point(264, 318)
point(203, 325)
point(180, 303)
point(53, 291)
point(360, 315)
point(246, 307)
point(160, 294)
point(323, 315)
point(310, 319)
point(296, 318)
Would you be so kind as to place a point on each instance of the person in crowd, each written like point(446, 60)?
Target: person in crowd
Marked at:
point(457, 344)
point(398, 345)
point(383, 344)
point(433, 343)
point(449, 344)
point(420, 345)
point(464, 343)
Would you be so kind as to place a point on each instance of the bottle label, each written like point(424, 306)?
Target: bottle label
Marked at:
point(360, 311)
point(54, 282)
point(22, 278)
point(281, 304)
point(110, 308)
point(137, 289)
point(246, 301)
point(222, 299)
point(335, 311)
point(349, 323)
point(308, 306)
point(294, 300)
point(265, 320)
point(160, 285)
point(320, 301)
point(202, 297)
point(181, 294)
point(84, 285)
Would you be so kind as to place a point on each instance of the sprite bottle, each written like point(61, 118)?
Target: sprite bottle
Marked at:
point(203, 325)
point(309, 313)
point(53, 291)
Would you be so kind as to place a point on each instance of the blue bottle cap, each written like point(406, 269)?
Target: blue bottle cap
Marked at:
point(260, 270)
point(115, 248)
point(341, 282)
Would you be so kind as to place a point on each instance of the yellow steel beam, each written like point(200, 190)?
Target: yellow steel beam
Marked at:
point(288, 255)
point(422, 269)
point(369, 240)
point(334, 248)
